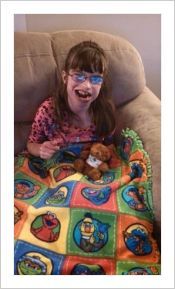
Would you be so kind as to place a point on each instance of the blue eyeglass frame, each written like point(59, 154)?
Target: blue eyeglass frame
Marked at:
point(81, 77)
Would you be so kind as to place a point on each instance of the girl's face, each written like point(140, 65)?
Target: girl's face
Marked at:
point(82, 88)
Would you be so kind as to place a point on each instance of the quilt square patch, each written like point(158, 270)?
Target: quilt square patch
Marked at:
point(133, 199)
point(32, 260)
point(87, 266)
point(59, 196)
point(36, 170)
point(92, 233)
point(94, 197)
point(133, 268)
point(28, 189)
point(135, 241)
point(47, 227)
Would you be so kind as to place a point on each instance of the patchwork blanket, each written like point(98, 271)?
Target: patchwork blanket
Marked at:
point(65, 223)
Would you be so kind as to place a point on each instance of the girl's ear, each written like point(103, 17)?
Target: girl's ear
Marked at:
point(64, 76)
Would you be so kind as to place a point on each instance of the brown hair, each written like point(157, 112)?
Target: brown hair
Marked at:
point(90, 57)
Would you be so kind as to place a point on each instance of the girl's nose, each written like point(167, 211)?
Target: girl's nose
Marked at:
point(87, 82)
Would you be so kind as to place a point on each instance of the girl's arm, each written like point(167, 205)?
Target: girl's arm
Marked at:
point(34, 148)
point(40, 132)
point(44, 150)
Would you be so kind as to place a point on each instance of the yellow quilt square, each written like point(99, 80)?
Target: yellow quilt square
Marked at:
point(47, 227)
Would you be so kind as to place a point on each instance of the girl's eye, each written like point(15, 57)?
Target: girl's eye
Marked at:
point(79, 76)
point(96, 79)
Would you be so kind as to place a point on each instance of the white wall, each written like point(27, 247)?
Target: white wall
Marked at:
point(142, 30)
point(20, 22)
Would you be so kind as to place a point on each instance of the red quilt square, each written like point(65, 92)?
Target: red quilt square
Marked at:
point(94, 197)
point(88, 266)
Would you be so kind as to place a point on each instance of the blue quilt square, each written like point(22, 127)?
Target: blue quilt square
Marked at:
point(33, 260)
point(57, 197)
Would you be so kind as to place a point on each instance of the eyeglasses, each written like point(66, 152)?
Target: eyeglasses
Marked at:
point(81, 77)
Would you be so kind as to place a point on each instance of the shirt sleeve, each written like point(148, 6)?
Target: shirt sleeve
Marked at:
point(42, 120)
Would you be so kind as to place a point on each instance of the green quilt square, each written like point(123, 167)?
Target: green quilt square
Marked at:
point(135, 268)
point(133, 199)
point(92, 233)
point(28, 189)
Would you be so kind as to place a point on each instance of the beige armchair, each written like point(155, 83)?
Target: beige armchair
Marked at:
point(39, 58)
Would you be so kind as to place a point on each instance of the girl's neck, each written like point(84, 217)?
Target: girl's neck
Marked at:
point(82, 120)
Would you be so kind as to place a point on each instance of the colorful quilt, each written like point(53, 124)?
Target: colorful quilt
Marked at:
point(65, 223)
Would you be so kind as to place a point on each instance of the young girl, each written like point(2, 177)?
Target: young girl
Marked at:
point(81, 111)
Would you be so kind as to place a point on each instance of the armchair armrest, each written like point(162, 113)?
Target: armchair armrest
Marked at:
point(142, 114)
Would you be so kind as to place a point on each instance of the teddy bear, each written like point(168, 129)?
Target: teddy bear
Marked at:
point(93, 161)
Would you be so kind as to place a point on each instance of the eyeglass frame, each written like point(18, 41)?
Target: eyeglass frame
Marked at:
point(74, 74)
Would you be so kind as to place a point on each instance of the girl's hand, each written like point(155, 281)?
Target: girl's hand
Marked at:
point(47, 149)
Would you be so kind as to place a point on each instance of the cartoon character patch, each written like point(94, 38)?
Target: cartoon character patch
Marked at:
point(37, 166)
point(134, 197)
point(33, 264)
point(63, 172)
point(142, 271)
point(86, 269)
point(90, 234)
point(58, 197)
point(97, 196)
point(125, 148)
point(136, 170)
point(46, 227)
point(25, 189)
point(136, 238)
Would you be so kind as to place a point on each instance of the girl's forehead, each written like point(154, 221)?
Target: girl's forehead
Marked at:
point(83, 71)
point(87, 63)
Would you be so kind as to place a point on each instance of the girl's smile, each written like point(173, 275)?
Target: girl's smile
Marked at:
point(83, 94)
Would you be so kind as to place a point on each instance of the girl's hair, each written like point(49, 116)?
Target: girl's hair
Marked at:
point(88, 56)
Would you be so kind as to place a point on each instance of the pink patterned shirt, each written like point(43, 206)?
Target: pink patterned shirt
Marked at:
point(45, 127)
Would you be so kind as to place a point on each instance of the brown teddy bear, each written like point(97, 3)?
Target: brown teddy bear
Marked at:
point(93, 161)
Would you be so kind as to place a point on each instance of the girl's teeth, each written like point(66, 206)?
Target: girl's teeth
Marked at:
point(83, 93)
